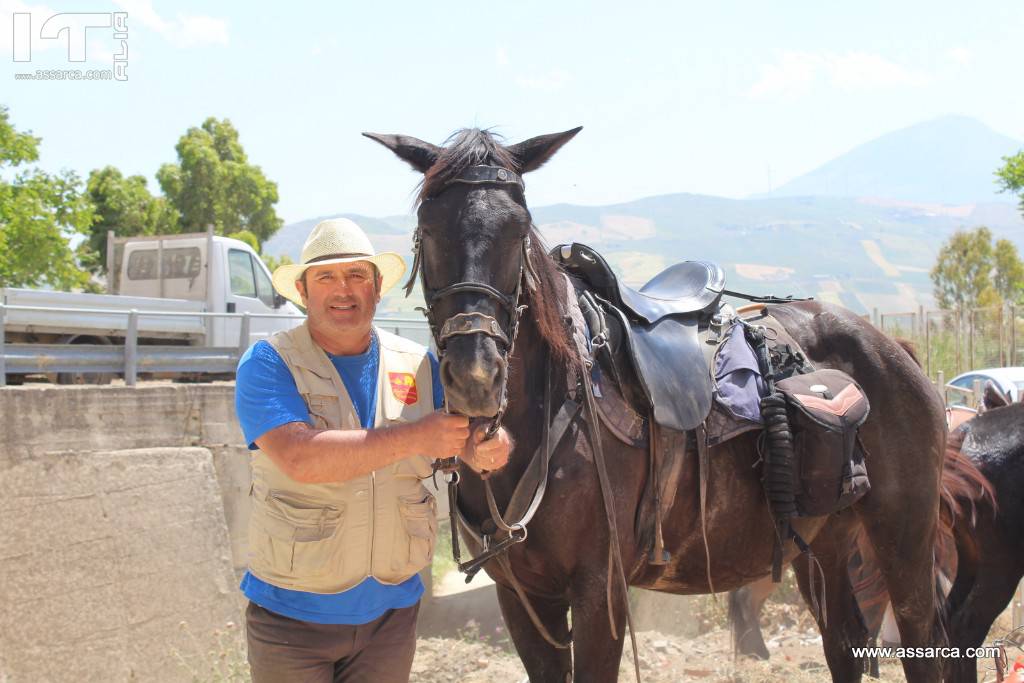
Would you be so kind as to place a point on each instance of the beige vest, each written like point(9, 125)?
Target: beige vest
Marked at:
point(326, 538)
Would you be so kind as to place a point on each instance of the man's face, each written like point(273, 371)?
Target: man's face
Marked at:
point(341, 296)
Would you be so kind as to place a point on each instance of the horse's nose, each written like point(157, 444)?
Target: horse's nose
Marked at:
point(473, 384)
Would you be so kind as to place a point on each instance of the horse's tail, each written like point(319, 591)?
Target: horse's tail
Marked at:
point(963, 489)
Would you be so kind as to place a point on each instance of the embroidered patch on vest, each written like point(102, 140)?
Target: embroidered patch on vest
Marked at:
point(403, 386)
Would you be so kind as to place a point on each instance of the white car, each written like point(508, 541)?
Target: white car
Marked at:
point(1010, 380)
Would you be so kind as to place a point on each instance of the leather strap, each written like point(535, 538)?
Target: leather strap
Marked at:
point(473, 322)
point(482, 174)
point(703, 468)
point(614, 549)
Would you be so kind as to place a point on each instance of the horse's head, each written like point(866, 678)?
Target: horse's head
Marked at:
point(472, 242)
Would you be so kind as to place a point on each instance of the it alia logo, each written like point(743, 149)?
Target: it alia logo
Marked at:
point(403, 386)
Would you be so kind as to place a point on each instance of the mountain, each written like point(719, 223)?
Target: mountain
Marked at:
point(861, 253)
point(291, 238)
point(950, 160)
point(862, 231)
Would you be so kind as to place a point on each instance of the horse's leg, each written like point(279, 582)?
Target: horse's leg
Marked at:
point(904, 543)
point(972, 620)
point(596, 650)
point(843, 625)
point(745, 606)
point(543, 662)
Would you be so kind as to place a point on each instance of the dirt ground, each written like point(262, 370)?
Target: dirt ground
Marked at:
point(481, 652)
point(792, 639)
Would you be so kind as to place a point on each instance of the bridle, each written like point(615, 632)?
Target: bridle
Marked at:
point(477, 322)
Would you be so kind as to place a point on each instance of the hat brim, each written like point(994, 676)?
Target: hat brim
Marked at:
point(390, 265)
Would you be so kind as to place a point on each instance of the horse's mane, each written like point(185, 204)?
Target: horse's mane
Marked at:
point(547, 305)
point(910, 347)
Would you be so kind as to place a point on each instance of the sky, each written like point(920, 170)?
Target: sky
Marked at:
point(724, 98)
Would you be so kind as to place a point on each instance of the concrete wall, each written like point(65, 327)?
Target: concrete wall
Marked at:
point(122, 517)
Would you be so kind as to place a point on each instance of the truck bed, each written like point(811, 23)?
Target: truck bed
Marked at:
point(102, 314)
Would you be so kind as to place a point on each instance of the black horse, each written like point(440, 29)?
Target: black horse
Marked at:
point(481, 261)
point(990, 552)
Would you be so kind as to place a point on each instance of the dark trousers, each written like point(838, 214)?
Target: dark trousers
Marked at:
point(286, 650)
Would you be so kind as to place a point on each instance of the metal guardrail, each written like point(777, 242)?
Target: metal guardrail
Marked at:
point(133, 358)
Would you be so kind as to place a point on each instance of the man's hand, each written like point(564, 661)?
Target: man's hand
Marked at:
point(490, 455)
point(441, 435)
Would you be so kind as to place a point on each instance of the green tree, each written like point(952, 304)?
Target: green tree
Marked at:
point(1008, 278)
point(39, 214)
point(971, 272)
point(1010, 176)
point(213, 183)
point(275, 262)
point(125, 206)
point(248, 238)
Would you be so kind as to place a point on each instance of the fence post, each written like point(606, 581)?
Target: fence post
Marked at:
point(3, 351)
point(970, 339)
point(927, 334)
point(875, 320)
point(959, 324)
point(940, 378)
point(131, 348)
point(243, 335)
point(921, 318)
point(1002, 338)
point(1013, 334)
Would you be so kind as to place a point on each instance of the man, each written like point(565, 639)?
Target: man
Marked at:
point(343, 422)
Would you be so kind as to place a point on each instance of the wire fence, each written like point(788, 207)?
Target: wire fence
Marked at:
point(952, 343)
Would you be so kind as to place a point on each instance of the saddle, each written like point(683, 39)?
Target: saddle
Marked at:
point(707, 370)
point(659, 329)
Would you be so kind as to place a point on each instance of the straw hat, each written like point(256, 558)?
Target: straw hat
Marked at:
point(338, 240)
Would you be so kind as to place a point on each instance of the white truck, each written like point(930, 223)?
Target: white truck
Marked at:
point(180, 306)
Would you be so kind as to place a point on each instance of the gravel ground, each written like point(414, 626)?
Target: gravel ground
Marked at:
point(793, 640)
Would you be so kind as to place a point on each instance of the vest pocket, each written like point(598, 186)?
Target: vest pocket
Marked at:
point(414, 546)
point(323, 409)
point(301, 538)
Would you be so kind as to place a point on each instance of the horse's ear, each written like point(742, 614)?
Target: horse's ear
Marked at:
point(531, 154)
point(418, 154)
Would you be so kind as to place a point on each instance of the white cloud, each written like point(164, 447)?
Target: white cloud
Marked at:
point(183, 31)
point(793, 74)
point(501, 56)
point(961, 55)
point(551, 81)
point(796, 73)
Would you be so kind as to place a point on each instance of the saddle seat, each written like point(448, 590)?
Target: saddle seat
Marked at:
point(659, 325)
point(682, 288)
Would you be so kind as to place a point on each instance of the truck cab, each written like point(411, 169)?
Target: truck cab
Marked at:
point(224, 274)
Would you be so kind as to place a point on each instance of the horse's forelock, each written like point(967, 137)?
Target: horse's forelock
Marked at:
point(465, 148)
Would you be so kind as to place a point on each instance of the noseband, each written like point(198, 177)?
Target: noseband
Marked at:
point(478, 322)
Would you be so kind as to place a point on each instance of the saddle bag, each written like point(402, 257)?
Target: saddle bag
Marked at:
point(826, 408)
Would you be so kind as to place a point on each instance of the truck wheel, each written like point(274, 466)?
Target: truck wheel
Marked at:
point(85, 377)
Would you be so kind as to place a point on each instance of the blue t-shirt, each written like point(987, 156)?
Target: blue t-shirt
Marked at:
point(265, 398)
